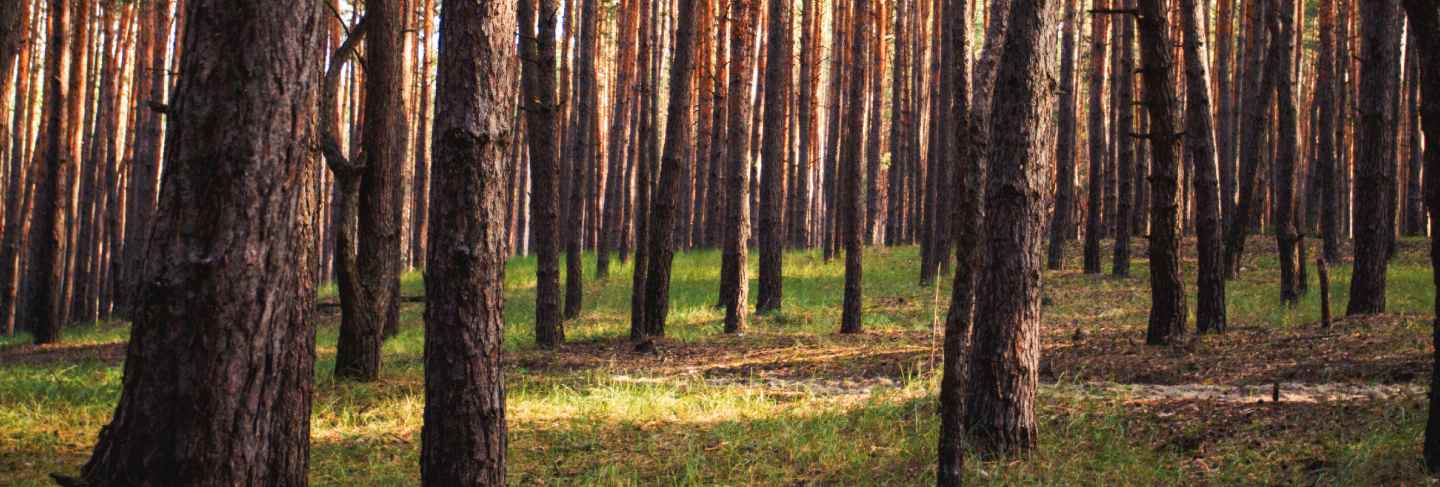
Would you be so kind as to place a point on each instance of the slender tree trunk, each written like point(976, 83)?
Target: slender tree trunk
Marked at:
point(874, 228)
point(1373, 221)
point(582, 155)
point(1325, 160)
point(1225, 116)
point(464, 436)
point(52, 191)
point(538, 61)
point(21, 37)
point(968, 180)
point(799, 219)
point(1287, 233)
point(221, 355)
point(145, 165)
point(734, 278)
point(1210, 313)
point(1167, 292)
point(1125, 162)
point(1094, 227)
point(852, 206)
point(1065, 147)
point(771, 232)
point(625, 67)
point(839, 37)
point(1004, 360)
point(1256, 93)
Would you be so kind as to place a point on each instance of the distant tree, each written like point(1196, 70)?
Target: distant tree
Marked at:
point(1374, 222)
point(582, 154)
point(959, 320)
point(626, 89)
point(144, 174)
point(1200, 149)
point(52, 188)
point(1286, 231)
point(771, 231)
point(1061, 223)
point(1225, 116)
point(1094, 226)
point(1125, 164)
point(221, 334)
point(1004, 358)
point(18, 177)
point(852, 211)
point(463, 441)
point(1325, 158)
point(1255, 94)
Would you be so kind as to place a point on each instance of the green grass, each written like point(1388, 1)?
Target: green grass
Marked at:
point(617, 426)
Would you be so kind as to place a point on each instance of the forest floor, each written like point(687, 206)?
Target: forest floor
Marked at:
point(791, 402)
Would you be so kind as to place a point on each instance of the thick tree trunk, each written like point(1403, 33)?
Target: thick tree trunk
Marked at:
point(463, 438)
point(221, 355)
point(1063, 220)
point(734, 277)
point(538, 53)
point(1373, 220)
point(1094, 227)
point(1005, 358)
point(1167, 292)
point(1210, 314)
point(771, 230)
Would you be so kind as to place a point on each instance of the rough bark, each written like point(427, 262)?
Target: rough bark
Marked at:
point(852, 211)
point(463, 438)
point(46, 267)
point(1210, 314)
point(17, 181)
point(626, 88)
point(582, 155)
point(735, 277)
point(1424, 19)
point(968, 179)
point(1256, 94)
point(538, 55)
point(347, 174)
point(1327, 111)
point(145, 164)
point(1225, 116)
point(1004, 361)
point(1286, 152)
point(221, 354)
point(1063, 220)
point(1373, 220)
point(1125, 160)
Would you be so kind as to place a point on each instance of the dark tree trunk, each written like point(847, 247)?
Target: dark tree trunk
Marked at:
point(968, 181)
point(645, 178)
point(1373, 220)
point(625, 61)
point(378, 235)
point(463, 439)
point(1225, 116)
point(662, 227)
point(734, 280)
point(1425, 21)
point(145, 164)
point(347, 181)
point(1094, 227)
point(1286, 232)
point(852, 211)
point(1063, 220)
point(1210, 312)
point(582, 156)
point(1125, 162)
point(1004, 360)
point(538, 53)
point(221, 355)
point(1256, 95)
point(771, 231)
point(1325, 161)
point(873, 226)
point(838, 55)
point(1167, 292)
point(799, 218)
point(46, 267)
point(17, 179)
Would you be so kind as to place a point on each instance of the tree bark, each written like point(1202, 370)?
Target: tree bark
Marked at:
point(538, 60)
point(1373, 220)
point(52, 189)
point(1225, 116)
point(852, 211)
point(221, 354)
point(1061, 223)
point(1256, 93)
point(771, 232)
point(968, 180)
point(1210, 313)
point(1287, 233)
point(1004, 361)
point(1094, 226)
point(734, 283)
point(1167, 291)
point(464, 436)
point(1125, 162)
point(1325, 160)
point(582, 155)
point(1424, 19)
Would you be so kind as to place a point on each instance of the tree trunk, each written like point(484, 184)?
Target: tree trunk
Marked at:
point(52, 188)
point(1094, 227)
point(734, 278)
point(538, 51)
point(852, 211)
point(1004, 362)
point(1167, 292)
point(625, 67)
point(582, 155)
point(221, 354)
point(1256, 94)
point(1225, 116)
point(1065, 148)
point(17, 179)
point(1325, 160)
point(1424, 19)
point(662, 228)
point(771, 232)
point(966, 221)
point(1210, 313)
point(1287, 233)
point(1125, 162)
point(145, 165)
point(463, 438)
point(1373, 220)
